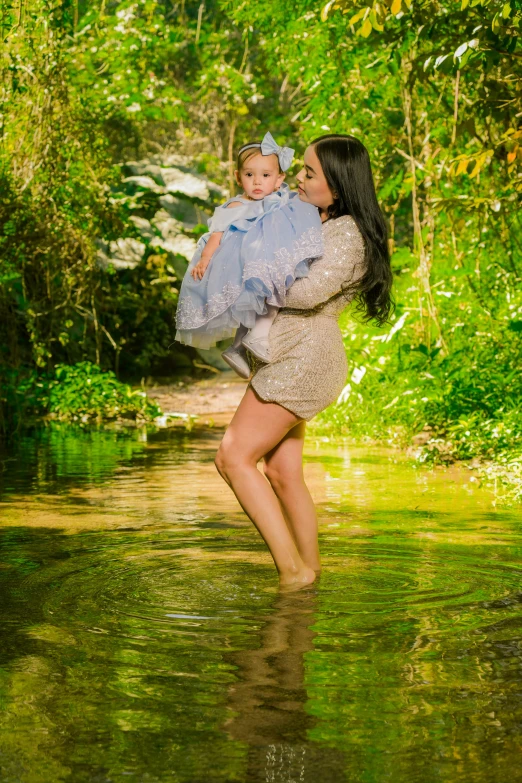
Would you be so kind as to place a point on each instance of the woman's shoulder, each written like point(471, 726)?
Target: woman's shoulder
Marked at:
point(342, 227)
point(341, 224)
point(342, 238)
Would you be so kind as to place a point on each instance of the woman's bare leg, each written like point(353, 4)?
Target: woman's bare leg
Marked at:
point(284, 470)
point(257, 427)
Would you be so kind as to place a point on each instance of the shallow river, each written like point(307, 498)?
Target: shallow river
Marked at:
point(144, 638)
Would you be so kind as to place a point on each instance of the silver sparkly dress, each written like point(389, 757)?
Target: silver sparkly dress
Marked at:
point(308, 368)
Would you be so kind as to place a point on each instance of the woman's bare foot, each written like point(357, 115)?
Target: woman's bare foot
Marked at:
point(297, 579)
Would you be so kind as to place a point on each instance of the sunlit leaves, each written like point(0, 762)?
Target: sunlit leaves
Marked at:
point(470, 164)
point(326, 10)
point(500, 18)
point(362, 14)
point(366, 28)
point(473, 164)
point(461, 49)
point(370, 17)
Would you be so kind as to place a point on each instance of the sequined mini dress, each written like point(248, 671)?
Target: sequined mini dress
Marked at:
point(308, 367)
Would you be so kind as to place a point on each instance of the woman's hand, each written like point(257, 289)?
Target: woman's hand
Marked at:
point(200, 268)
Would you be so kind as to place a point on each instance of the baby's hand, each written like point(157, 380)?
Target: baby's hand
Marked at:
point(200, 268)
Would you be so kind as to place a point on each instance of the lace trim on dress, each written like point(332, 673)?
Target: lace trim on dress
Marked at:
point(274, 275)
point(189, 316)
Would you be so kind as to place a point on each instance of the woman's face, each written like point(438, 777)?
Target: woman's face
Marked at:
point(313, 186)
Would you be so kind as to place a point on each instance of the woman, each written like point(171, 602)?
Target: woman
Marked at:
point(308, 367)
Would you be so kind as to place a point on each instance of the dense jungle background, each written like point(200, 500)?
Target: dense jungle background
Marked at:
point(119, 126)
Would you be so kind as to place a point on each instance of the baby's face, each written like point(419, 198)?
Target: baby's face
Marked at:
point(260, 176)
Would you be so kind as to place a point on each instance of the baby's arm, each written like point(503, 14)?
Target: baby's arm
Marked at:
point(209, 249)
point(206, 256)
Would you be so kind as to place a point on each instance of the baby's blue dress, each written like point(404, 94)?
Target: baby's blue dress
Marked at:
point(265, 246)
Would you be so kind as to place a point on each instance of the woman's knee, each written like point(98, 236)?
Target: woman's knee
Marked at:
point(220, 463)
point(229, 461)
point(282, 476)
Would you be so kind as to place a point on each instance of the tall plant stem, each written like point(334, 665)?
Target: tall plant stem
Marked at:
point(231, 139)
point(233, 127)
point(455, 109)
point(200, 17)
point(423, 272)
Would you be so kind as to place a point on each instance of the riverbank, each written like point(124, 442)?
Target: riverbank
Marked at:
point(211, 402)
point(205, 402)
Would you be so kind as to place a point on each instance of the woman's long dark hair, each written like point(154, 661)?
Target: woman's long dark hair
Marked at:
point(348, 172)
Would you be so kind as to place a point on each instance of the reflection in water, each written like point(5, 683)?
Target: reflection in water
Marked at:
point(269, 698)
point(270, 695)
point(142, 636)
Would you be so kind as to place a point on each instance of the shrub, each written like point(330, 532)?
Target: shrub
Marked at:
point(77, 393)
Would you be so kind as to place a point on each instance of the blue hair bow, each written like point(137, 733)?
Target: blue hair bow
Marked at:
point(284, 154)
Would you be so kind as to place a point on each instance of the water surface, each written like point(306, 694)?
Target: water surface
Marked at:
point(143, 636)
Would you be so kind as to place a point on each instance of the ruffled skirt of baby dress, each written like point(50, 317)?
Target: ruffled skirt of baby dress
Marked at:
point(266, 245)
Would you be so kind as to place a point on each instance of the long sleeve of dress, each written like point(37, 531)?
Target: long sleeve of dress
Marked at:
point(342, 262)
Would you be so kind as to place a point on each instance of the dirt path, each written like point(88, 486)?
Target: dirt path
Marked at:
point(212, 400)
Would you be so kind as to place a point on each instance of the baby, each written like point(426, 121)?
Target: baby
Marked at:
point(257, 245)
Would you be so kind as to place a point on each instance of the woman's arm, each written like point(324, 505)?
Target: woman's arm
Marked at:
point(342, 262)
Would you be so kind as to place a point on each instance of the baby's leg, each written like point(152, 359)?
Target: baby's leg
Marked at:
point(257, 339)
point(238, 339)
point(263, 323)
point(235, 355)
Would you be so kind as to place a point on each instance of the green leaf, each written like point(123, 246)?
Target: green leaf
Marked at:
point(461, 49)
point(326, 10)
point(366, 28)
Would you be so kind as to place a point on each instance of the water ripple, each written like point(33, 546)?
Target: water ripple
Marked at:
point(144, 637)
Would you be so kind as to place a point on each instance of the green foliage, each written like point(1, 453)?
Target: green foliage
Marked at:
point(85, 392)
point(463, 404)
point(80, 393)
point(434, 92)
point(432, 89)
point(85, 89)
point(466, 403)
